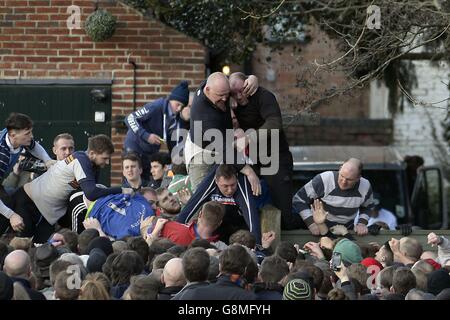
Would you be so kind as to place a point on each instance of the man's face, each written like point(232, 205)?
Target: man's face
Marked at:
point(348, 177)
point(151, 198)
point(236, 90)
point(21, 137)
point(176, 106)
point(63, 148)
point(157, 170)
point(380, 255)
point(227, 187)
point(131, 170)
point(99, 159)
point(218, 94)
point(168, 202)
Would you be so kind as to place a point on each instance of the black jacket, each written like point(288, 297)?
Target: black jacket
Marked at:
point(33, 294)
point(223, 289)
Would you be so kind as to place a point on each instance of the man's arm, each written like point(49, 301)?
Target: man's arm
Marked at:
point(39, 152)
point(304, 198)
point(134, 120)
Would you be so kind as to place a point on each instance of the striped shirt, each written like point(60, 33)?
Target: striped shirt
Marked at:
point(342, 205)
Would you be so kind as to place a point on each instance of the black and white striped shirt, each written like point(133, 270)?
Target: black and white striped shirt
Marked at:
point(342, 205)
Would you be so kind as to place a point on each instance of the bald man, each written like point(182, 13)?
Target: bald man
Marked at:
point(17, 265)
point(211, 114)
point(173, 279)
point(342, 194)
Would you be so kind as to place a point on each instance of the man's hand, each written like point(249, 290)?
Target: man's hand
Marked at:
point(57, 240)
point(92, 223)
point(16, 222)
point(434, 239)
point(267, 239)
point(250, 85)
point(342, 273)
point(154, 139)
point(252, 179)
point(314, 249)
point(405, 229)
point(145, 224)
point(49, 163)
point(319, 214)
point(326, 243)
point(314, 229)
point(159, 226)
point(339, 230)
point(361, 229)
point(184, 195)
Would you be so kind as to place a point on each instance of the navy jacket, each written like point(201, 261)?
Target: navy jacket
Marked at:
point(223, 289)
point(243, 197)
point(151, 118)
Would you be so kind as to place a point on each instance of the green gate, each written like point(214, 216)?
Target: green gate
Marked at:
point(57, 107)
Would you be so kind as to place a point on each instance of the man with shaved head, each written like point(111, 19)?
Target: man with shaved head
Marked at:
point(173, 279)
point(211, 116)
point(342, 194)
point(17, 265)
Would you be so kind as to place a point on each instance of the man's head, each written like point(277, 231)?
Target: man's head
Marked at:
point(237, 80)
point(403, 281)
point(20, 129)
point(167, 201)
point(173, 275)
point(179, 97)
point(411, 248)
point(234, 260)
point(159, 163)
point(226, 179)
point(210, 218)
point(244, 237)
point(385, 256)
point(273, 269)
point(349, 173)
point(196, 263)
point(383, 281)
point(150, 195)
point(63, 146)
point(217, 89)
point(100, 149)
point(131, 167)
point(17, 264)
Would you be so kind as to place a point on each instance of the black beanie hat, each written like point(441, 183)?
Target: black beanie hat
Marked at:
point(180, 93)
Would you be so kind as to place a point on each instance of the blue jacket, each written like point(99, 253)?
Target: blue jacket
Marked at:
point(151, 118)
point(243, 197)
point(120, 214)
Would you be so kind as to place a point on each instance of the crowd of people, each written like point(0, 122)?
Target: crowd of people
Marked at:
point(185, 223)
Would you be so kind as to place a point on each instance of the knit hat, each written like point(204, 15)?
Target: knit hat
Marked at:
point(371, 262)
point(437, 281)
point(6, 287)
point(297, 289)
point(102, 243)
point(350, 251)
point(96, 260)
point(180, 93)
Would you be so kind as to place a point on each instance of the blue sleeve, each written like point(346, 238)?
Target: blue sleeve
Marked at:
point(199, 197)
point(88, 184)
point(247, 204)
point(135, 120)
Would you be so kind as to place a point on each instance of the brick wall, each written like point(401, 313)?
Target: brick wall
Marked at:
point(296, 81)
point(337, 131)
point(35, 43)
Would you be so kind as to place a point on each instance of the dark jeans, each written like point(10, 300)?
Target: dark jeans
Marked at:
point(280, 187)
point(36, 225)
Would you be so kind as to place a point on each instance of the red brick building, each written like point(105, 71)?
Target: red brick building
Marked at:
point(36, 44)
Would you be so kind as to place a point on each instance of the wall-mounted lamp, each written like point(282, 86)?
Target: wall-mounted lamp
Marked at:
point(226, 70)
